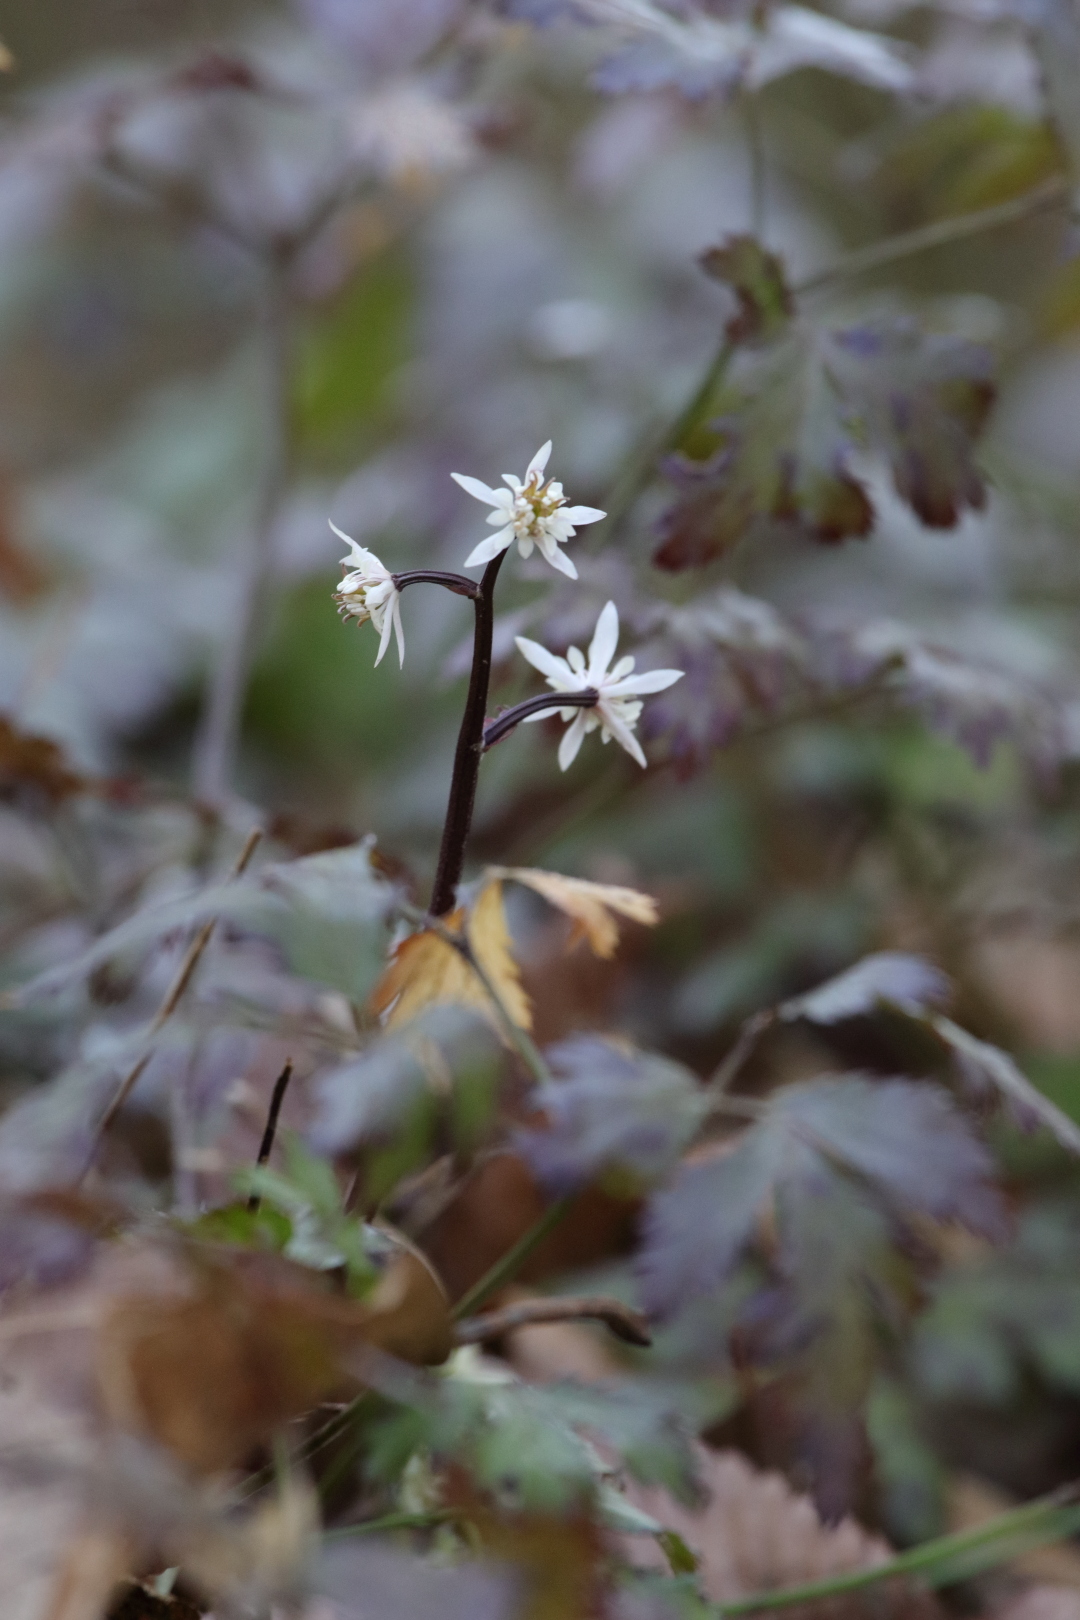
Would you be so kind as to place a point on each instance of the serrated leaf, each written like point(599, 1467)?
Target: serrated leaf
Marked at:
point(894, 977)
point(370, 1096)
point(791, 415)
point(757, 279)
point(992, 1318)
point(426, 971)
point(700, 53)
point(987, 1070)
point(590, 905)
point(325, 911)
point(911, 1150)
point(610, 1107)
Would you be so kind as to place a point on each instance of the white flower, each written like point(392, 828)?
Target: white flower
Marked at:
point(368, 592)
point(533, 513)
point(618, 709)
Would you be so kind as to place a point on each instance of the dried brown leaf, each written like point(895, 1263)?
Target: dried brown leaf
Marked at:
point(558, 1560)
point(426, 971)
point(1042, 1603)
point(34, 765)
point(95, 1562)
point(43, 1451)
point(756, 1534)
point(589, 905)
point(211, 1370)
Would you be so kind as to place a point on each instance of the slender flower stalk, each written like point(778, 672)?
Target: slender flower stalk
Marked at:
point(535, 708)
point(470, 746)
point(618, 690)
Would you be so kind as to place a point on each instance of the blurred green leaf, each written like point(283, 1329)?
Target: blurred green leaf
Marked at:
point(349, 355)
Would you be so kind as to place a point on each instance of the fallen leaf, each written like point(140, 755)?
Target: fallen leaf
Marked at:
point(756, 1534)
point(1042, 1603)
point(42, 1452)
point(238, 1343)
point(31, 765)
point(94, 1563)
point(426, 971)
point(589, 904)
point(559, 1560)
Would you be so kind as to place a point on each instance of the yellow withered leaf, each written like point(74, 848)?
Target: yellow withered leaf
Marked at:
point(425, 971)
point(590, 905)
point(7, 61)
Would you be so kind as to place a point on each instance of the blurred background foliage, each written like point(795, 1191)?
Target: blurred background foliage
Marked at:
point(514, 255)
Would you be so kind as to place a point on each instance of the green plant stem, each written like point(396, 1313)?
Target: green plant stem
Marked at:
point(1051, 193)
point(504, 1270)
point(641, 465)
point(946, 1559)
point(219, 725)
point(756, 153)
point(394, 1521)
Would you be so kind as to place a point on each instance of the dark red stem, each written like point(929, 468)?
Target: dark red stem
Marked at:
point(460, 584)
point(505, 723)
point(470, 746)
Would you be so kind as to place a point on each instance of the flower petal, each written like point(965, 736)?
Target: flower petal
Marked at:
point(558, 559)
point(489, 548)
point(571, 743)
point(359, 555)
point(605, 640)
point(650, 680)
point(384, 641)
point(478, 491)
point(398, 629)
point(621, 733)
point(556, 669)
point(539, 461)
point(580, 515)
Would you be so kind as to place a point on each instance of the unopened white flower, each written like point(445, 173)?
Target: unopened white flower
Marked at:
point(618, 707)
point(368, 592)
point(533, 513)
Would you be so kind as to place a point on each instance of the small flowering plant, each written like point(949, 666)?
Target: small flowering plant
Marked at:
point(588, 692)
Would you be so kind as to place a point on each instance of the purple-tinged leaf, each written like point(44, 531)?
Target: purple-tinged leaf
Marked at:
point(696, 1229)
point(373, 1094)
point(973, 704)
point(791, 414)
point(610, 1107)
point(370, 1581)
point(324, 911)
point(756, 277)
point(987, 1071)
point(703, 50)
point(379, 38)
point(891, 977)
point(906, 1138)
point(909, 1147)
